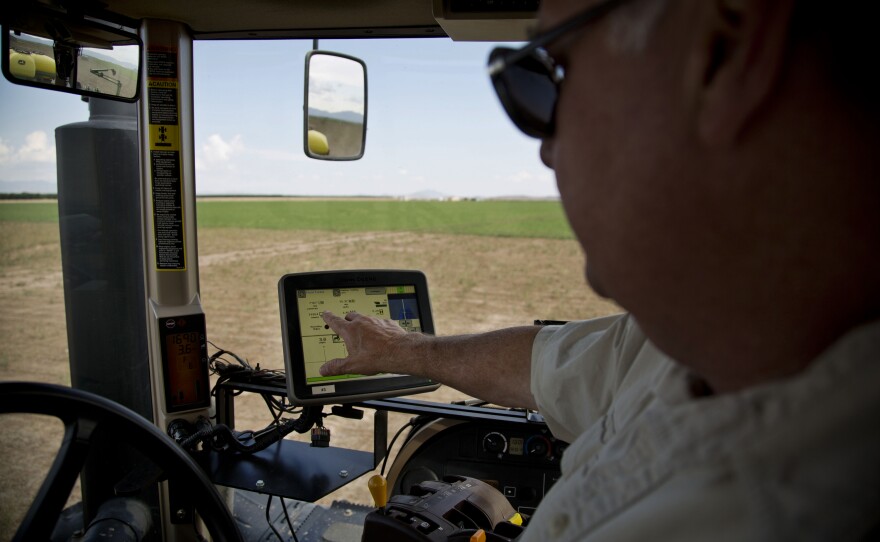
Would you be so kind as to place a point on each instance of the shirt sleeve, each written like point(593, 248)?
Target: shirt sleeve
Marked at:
point(578, 368)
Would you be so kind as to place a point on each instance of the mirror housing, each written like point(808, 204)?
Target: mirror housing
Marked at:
point(335, 119)
point(51, 49)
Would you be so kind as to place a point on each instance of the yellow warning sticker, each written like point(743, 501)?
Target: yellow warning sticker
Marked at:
point(165, 160)
point(164, 137)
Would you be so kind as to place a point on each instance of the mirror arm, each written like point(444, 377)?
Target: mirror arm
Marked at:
point(65, 61)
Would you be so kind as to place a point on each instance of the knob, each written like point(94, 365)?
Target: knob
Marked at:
point(537, 446)
point(495, 443)
point(558, 448)
point(378, 489)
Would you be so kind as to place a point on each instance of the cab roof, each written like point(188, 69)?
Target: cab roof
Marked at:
point(266, 19)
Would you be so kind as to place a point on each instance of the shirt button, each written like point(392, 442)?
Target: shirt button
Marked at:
point(558, 525)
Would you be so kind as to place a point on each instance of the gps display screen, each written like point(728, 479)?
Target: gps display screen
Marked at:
point(320, 344)
point(400, 296)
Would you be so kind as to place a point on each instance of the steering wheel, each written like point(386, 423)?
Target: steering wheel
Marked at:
point(84, 414)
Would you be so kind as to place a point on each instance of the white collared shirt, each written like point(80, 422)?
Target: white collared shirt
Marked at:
point(796, 459)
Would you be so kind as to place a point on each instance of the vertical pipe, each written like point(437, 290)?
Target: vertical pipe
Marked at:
point(102, 265)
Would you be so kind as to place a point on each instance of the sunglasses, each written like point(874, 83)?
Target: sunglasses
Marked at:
point(527, 79)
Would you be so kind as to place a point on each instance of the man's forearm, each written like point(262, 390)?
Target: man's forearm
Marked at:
point(494, 366)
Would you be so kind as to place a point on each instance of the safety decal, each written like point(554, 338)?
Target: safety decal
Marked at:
point(163, 105)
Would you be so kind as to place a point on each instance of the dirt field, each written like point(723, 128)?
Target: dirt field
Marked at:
point(477, 284)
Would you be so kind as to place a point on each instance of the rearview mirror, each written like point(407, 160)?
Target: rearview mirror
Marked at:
point(47, 49)
point(335, 126)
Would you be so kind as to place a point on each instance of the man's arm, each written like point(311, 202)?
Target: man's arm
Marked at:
point(494, 366)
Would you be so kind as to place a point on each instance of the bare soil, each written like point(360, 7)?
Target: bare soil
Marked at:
point(477, 284)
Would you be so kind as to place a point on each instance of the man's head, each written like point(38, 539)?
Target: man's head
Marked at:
point(719, 175)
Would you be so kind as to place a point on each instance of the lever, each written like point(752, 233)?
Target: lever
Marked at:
point(379, 490)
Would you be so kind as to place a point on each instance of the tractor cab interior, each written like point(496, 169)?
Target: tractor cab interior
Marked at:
point(149, 422)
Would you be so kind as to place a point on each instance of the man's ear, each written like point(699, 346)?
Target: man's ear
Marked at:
point(736, 61)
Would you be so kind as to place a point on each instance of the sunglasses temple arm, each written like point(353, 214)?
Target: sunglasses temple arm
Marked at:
point(496, 67)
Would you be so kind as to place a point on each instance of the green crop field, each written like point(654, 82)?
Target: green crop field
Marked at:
point(535, 219)
point(29, 211)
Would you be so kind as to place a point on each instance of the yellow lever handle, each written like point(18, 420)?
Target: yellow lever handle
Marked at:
point(379, 490)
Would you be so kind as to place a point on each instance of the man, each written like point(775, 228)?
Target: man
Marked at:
point(717, 161)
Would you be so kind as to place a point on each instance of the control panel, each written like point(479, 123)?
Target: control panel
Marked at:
point(534, 447)
point(519, 460)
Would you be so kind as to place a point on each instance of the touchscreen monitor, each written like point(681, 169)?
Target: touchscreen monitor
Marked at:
point(398, 295)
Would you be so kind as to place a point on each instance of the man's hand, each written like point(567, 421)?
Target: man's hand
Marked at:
point(373, 344)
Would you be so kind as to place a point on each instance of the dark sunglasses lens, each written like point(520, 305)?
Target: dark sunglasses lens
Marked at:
point(527, 92)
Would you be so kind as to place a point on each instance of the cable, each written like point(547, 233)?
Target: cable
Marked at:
point(393, 439)
point(415, 423)
point(287, 517)
point(223, 439)
point(269, 520)
point(239, 369)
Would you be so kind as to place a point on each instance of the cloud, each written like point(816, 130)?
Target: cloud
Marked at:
point(36, 148)
point(217, 151)
point(232, 154)
point(226, 165)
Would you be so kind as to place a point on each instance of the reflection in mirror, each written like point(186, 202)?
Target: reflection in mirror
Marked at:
point(107, 70)
point(336, 105)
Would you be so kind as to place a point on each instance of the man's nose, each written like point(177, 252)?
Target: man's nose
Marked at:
point(547, 148)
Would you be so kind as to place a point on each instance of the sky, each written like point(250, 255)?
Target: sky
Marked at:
point(434, 124)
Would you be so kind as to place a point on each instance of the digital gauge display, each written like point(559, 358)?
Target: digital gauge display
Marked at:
point(185, 362)
point(397, 295)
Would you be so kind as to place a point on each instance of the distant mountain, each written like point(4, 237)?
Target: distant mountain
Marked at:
point(346, 116)
point(427, 194)
point(32, 187)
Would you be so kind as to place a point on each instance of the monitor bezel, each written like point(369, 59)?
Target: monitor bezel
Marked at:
point(347, 391)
